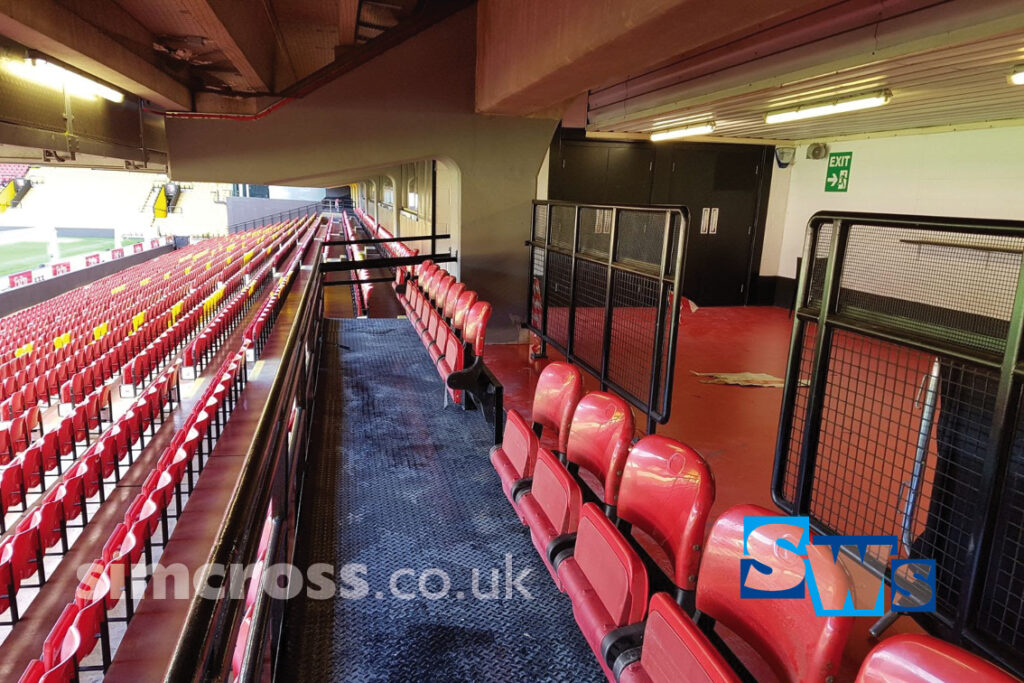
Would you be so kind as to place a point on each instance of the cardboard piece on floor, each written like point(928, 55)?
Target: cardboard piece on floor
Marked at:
point(740, 379)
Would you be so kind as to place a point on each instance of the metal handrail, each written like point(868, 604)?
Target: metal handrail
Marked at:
point(199, 653)
point(270, 219)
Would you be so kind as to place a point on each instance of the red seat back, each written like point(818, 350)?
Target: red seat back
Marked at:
point(475, 329)
point(599, 439)
point(912, 658)
point(667, 491)
point(792, 639)
point(559, 390)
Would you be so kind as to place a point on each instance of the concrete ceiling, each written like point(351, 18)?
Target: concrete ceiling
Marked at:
point(169, 51)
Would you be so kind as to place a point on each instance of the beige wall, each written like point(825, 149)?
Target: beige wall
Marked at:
point(414, 102)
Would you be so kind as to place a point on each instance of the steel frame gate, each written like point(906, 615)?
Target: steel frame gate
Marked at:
point(602, 292)
point(903, 411)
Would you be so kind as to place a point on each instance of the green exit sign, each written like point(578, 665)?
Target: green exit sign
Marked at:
point(837, 176)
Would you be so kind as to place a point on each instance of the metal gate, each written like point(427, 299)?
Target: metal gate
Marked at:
point(902, 413)
point(603, 281)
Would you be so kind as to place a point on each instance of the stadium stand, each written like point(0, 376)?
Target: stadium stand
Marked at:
point(196, 293)
point(451, 322)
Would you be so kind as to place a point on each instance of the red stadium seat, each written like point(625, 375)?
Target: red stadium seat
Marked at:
point(551, 508)
point(559, 389)
point(666, 494)
point(911, 658)
point(786, 633)
point(599, 440)
point(475, 330)
point(60, 649)
point(605, 579)
point(674, 650)
point(515, 457)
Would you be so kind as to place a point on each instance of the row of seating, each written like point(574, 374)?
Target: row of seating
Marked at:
point(621, 528)
point(361, 292)
point(49, 335)
point(84, 622)
point(48, 523)
point(251, 594)
point(259, 329)
point(200, 350)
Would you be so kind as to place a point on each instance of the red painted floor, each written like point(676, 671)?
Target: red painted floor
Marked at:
point(734, 428)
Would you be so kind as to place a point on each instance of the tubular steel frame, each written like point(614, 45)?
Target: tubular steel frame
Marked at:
point(667, 274)
point(961, 626)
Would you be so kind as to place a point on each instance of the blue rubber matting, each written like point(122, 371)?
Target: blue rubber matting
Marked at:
point(420, 514)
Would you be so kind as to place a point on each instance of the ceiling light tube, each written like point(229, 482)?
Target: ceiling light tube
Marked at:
point(1017, 77)
point(689, 131)
point(51, 76)
point(836, 107)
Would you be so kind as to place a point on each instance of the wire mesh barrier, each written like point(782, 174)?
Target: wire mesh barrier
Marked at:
point(602, 284)
point(903, 413)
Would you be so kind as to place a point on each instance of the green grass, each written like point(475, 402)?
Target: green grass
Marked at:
point(22, 256)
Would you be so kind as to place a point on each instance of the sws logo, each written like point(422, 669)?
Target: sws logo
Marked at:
point(913, 580)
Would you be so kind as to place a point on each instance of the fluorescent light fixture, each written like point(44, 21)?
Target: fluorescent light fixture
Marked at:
point(689, 131)
point(836, 107)
point(51, 76)
point(1017, 77)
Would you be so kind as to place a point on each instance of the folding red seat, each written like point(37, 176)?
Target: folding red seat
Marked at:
point(19, 434)
point(89, 381)
point(605, 579)
point(808, 647)
point(438, 346)
point(7, 409)
point(514, 459)
point(12, 489)
point(80, 422)
point(42, 389)
point(6, 449)
point(454, 292)
point(453, 361)
point(47, 519)
point(441, 290)
point(66, 436)
point(432, 322)
point(551, 508)
point(25, 554)
point(53, 381)
point(89, 468)
point(70, 492)
point(462, 306)
point(913, 658)
point(674, 649)
point(92, 410)
point(33, 421)
point(32, 465)
point(60, 649)
point(558, 391)
point(91, 621)
point(15, 405)
point(29, 391)
point(475, 329)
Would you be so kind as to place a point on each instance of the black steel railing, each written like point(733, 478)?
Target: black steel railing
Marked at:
point(603, 291)
point(903, 408)
point(272, 463)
